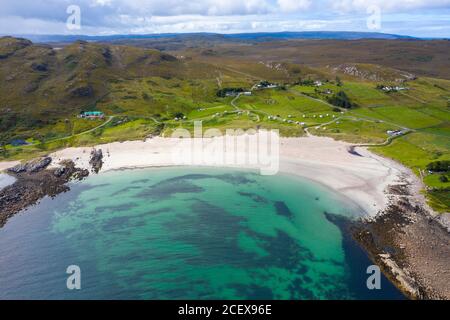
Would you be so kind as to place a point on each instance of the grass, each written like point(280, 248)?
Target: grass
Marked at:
point(355, 131)
point(439, 199)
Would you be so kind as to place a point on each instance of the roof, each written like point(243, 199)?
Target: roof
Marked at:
point(93, 113)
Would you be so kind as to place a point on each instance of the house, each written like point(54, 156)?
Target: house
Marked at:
point(392, 89)
point(92, 115)
point(318, 83)
point(247, 93)
point(394, 133)
point(266, 85)
point(18, 143)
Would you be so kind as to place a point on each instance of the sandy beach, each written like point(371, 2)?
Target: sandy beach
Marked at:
point(362, 179)
point(395, 213)
point(8, 164)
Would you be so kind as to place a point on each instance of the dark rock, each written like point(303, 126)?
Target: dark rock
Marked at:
point(96, 160)
point(41, 67)
point(18, 169)
point(59, 172)
point(85, 91)
point(32, 166)
point(80, 174)
point(30, 187)
point(36, 166)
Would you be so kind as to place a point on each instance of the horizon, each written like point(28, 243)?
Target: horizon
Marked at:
point(421, 19)
point(309, 35)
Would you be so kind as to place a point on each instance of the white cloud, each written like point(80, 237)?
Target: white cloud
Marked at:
point(291, 6)
point(148, 16)
point(388, 5)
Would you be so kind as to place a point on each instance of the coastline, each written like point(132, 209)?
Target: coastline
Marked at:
point(395, 215)
point(322, 160)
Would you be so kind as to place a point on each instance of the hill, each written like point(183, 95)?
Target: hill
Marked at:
point(256, 36)
point(40, 83)
point(419, 57)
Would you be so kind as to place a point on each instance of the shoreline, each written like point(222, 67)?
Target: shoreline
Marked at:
point(319, 159)
point(395, 213)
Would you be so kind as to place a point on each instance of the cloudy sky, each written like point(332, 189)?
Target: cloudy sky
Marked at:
point(424, 18)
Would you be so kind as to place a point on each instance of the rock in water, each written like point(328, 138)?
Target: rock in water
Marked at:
point(96, 160)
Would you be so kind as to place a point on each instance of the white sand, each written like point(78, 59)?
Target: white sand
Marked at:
point(8, 164)
point(323, 160)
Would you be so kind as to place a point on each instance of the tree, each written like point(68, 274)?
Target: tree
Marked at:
point(341, 100)
point(439, 166)
point(443, 178)
point(179, 115)
point(338, 81)
point(4, 137)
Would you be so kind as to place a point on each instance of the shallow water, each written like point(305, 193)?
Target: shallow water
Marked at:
point(6, 180)
point(186, 233)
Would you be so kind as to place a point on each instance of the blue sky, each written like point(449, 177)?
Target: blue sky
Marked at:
point(424, 18)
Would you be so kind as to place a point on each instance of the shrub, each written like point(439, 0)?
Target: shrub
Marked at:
point(340, 99)
point(439, 166)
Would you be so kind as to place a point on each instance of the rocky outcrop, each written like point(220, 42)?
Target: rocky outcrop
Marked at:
point(373, 72)
point(32, 166)
point(96, 160)
point(409, 245)
point(84, 91)
point(40, 67)
point(33, 183)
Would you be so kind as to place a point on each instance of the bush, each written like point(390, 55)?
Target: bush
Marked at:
point(341, 99)
point(443, 178)
point(439, 166)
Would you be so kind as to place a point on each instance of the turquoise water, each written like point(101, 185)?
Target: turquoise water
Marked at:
point(186, 233)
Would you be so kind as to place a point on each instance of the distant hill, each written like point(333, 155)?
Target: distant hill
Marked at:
point(336, 35)
point(40, 82)
point(260, 36)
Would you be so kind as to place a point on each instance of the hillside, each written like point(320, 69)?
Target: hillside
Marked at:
point(41, 83)
point(420, 57)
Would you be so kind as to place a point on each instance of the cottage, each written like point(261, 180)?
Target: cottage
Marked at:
point(18, 143)
point(394, 133)
point(92, 115)
point(318, 83)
